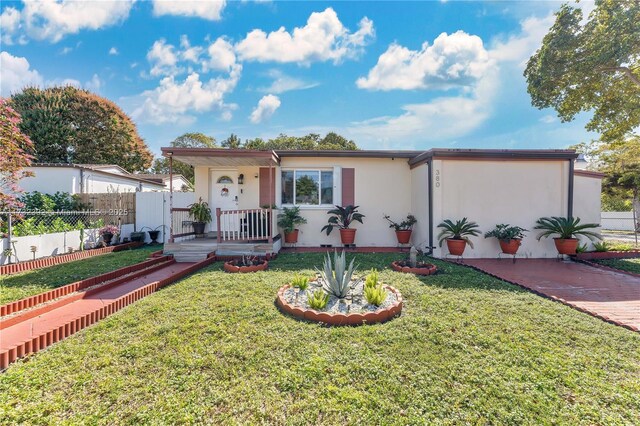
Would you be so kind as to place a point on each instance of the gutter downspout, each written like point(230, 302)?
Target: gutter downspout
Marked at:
point(570, 192)
point(430, 204)
point(170, 197)
point(82, 181)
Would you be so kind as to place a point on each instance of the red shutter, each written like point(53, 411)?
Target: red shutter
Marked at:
point(267, 197)
point(348, 187)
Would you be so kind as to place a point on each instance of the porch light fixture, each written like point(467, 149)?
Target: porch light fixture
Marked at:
point(240, 179)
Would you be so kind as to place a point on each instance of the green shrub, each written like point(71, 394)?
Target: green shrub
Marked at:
point(318, 299)
point(601, 246)
point(300, 282)
point(582, 248)
point(375, 295)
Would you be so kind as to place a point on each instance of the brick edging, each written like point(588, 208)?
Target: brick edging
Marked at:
point(61, 332)
point(547, 296)
point(44, 262)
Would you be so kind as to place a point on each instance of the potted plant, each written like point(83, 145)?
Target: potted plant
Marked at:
point(201, 214)
point(566, 229)
point(107, 232)
point(342, 218)
point(457, 235)
point(509, 237)
point(403, 229)
point(137, 236)
point(288, 220)
point(154, 233)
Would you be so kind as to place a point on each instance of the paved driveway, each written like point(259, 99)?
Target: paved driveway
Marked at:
point(612, 296)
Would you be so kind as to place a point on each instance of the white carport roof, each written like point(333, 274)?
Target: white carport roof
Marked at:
point(219, 157)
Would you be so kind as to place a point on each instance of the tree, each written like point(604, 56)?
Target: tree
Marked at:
point(188, 140)
point(14, 156)
point(335, 141)
point(70, 125)
point(591, 66)
point(232, 142)
point(309, 142)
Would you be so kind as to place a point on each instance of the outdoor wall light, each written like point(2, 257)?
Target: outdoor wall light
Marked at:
point(256, 176)
point(240, 179)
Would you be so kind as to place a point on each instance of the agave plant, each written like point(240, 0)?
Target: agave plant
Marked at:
point(318, 299)
point(336, 277)
point(460, 230)
point(565, 228)
point(375, 295)
point(372, 279)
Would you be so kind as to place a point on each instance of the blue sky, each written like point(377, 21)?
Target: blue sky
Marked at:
point(401, 75)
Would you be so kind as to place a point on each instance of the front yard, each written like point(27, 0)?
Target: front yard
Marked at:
point(25, 284)
point(630, 265)
point(468, 349)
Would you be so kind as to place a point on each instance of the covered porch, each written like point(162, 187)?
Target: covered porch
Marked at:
point(240, 188)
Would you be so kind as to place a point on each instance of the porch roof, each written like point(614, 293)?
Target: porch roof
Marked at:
point(221, 157)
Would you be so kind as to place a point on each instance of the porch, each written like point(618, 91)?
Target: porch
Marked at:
point(239, 187)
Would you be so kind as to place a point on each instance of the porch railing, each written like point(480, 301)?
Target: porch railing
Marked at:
point(245, 225)
point(181, 222)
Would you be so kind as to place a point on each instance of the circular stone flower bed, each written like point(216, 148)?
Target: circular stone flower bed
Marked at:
point(421, 268)
point(243, 267)
point(351, 310)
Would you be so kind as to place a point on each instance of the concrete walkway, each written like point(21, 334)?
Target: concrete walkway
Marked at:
point(609, 295)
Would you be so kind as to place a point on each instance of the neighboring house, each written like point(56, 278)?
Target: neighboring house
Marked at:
point(180, 183)
point(85, 179)
point(486, 186)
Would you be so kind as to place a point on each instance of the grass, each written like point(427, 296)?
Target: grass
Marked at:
point(212, 348)
point(18, 286)
point(630, 265)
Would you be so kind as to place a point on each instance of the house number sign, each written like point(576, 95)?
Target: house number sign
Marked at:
point(437, 178)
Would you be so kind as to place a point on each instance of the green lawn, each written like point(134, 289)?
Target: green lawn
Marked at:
point(631, 265)
point(212, 348)
point(18, 286)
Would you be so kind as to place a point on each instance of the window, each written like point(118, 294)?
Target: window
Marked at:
point(307, 187)
point(225, 179)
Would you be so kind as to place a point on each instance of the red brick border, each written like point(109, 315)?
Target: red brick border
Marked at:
point(63, 331)
point(28, 265)
point(603, 255)
point(432, 269)
point(231, 267)
point(337, 319)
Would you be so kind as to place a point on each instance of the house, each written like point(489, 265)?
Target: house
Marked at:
point(85, 179)
point(179, 182)
point(486, 186)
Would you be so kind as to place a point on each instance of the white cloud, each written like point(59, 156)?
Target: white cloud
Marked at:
point(284, 83)
point(519, 47)
point(452, 60)
point(114, 51)
point(163, 58)
point(188, 52)
point(173, 101)
point(16, 74)
point(94, 84)
point(323, 38)
point(52, 20)
point(265, 108)
point(221, 56)
point(66, 50)
point(548, 119)
point(205, 9)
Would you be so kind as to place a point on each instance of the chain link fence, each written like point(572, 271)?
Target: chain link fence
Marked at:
point(621, 226)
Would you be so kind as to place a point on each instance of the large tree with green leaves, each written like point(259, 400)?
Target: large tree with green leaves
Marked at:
point(310, 142)
point(591, 65)
point(14, 156)
point(70, 125)
point(188, 140)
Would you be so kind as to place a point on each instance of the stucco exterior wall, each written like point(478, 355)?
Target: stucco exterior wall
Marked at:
point(587, 201)
point(49, 180)
point(494, 192)
point(382, 186)
point(420, 206)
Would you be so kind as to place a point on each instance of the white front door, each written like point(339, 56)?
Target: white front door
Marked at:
point(224, 194)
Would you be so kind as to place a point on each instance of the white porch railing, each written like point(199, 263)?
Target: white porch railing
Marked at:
point(246, 225)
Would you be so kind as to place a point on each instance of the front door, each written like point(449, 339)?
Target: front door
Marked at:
point(224, 195)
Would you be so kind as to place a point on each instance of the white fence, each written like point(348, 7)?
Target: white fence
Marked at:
point(617, 221)
point(152, 211)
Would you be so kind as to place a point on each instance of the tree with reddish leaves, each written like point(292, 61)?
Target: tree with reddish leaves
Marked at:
point(14, 156)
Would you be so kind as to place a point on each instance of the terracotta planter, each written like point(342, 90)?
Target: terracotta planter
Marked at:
point(566, 246)
point(231, 267)
point(510, 247)
point(403, 236)
point(348, 236)
point(291, 237)
point(424, 270)
point(456, 247)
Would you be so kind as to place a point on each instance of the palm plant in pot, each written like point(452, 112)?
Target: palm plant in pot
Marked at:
point(509, 237)
point(403, 229)
point(457, 234)
point(342, 218)
point(201, 214)
point(567, 231)
point(288, 220)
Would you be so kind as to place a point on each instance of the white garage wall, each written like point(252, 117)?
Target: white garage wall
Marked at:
point(494, 192)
